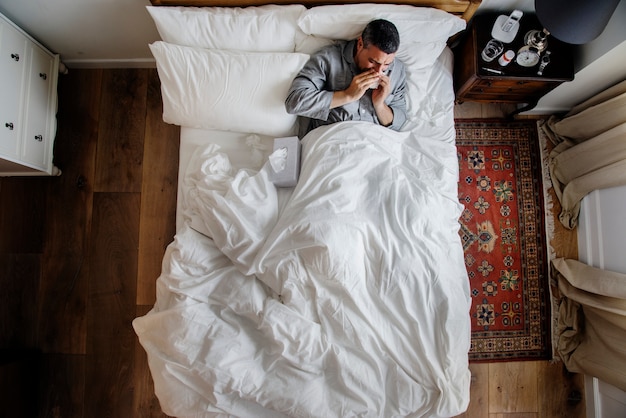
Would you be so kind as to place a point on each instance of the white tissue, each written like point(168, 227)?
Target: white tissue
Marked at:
point(278, 159)
point(258, 149)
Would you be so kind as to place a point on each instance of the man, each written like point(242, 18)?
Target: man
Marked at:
point(352, 80)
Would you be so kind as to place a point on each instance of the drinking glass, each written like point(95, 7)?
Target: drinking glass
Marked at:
point(492, 50)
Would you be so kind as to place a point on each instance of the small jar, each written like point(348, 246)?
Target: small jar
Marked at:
point(492, 50)
point(506, 58)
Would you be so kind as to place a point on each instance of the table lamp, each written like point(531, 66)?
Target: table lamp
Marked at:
point(575, 21)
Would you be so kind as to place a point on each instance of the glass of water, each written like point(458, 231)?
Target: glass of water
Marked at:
point(492, 50)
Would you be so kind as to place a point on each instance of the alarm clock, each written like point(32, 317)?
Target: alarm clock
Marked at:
point(527, 56)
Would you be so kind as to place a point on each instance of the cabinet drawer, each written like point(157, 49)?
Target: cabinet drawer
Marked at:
point(13, 47)
point(525, 87)
point(37, 136)
point(28, 79)
point(494, 97)
point(507, 90)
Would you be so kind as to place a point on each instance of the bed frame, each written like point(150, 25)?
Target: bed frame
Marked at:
point(463, 8)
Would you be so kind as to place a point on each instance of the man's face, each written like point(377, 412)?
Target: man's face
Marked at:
point(372, 58)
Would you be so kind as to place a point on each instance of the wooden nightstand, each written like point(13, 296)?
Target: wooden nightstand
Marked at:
point(488, 82)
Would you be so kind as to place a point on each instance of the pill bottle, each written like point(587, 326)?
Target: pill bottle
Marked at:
point(506, 58)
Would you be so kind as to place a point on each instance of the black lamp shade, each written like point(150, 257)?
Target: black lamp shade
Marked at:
point(575, 21)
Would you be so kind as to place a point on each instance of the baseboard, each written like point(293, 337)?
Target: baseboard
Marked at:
point(110, 63)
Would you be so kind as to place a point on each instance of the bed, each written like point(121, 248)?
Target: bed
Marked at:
point(343, 296)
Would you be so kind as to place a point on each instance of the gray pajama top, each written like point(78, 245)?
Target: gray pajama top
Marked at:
point(332, 69)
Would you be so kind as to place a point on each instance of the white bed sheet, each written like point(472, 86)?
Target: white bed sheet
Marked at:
point(262, 321)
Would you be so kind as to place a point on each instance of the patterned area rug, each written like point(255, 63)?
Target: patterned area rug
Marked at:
point(503, 233)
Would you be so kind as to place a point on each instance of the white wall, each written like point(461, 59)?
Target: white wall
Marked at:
point(599, 64)
point(88, 32)
point(613, 35)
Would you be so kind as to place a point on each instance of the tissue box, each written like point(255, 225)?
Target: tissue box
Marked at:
point(288, 177)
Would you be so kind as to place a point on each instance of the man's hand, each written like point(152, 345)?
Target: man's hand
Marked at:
point(384, 112)
point(357, 88)
point(384, 89)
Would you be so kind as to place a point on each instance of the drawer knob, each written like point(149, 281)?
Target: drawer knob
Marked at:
point(16, 57)
point(39, 138)
point(9, 125)
point(44, 76)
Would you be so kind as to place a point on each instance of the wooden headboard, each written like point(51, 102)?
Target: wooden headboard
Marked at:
point(463, 8)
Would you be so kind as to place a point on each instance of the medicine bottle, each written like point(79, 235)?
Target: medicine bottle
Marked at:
point(506, 58)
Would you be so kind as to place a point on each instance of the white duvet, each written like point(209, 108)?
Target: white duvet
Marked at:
point(350, 299)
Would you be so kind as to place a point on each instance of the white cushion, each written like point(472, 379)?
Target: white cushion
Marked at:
point(227, 90)
point(423, 31)
point(267, 28)
point(346, 21)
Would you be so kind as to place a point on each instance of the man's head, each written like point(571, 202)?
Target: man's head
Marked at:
point(377, 45)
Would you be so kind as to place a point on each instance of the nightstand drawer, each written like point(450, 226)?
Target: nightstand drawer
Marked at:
point(506, 90)
point(495, 97)
point(512, 87)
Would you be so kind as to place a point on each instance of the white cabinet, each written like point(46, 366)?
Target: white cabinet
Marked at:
point(28, 103)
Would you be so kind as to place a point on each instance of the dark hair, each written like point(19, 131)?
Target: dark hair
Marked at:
point(382, 34)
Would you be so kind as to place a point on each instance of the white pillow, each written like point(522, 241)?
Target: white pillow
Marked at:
point(346, 21)
point(227, 90)
point(423, 31)
point(267, 28)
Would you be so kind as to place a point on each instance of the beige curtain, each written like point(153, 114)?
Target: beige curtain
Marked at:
point(590, 154)
point(590, 150)
point(591, 330)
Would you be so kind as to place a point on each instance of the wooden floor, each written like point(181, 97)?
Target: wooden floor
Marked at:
point(79, 255)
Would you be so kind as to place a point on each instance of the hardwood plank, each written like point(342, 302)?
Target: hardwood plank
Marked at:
point(158, 194)
point(63, 291)
point(111, 305)
point(145, 401)
point(119, 156)
point(561, 393)
point(513, 387)
point(22, 214)
point(479, 391)
point(19, 280)
point(19, 370)
point(62, 392)
point(468, 110)
point(472, 110)
point(515, 415)
point(499, 110)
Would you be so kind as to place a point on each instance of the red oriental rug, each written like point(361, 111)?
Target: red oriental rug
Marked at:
point(504, 239)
